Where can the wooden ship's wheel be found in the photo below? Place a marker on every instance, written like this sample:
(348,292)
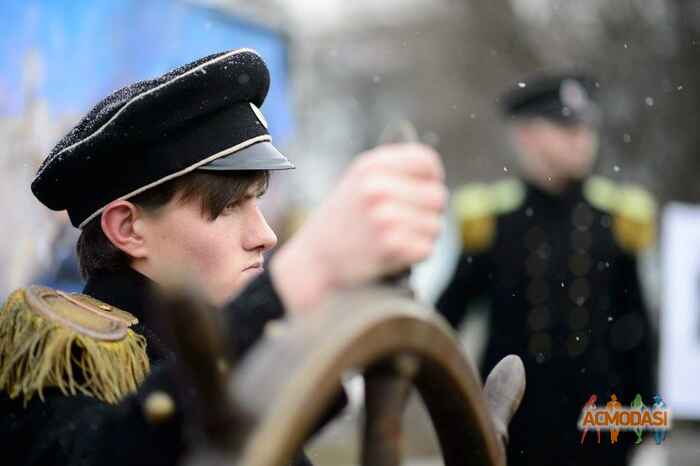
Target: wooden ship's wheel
(267,407)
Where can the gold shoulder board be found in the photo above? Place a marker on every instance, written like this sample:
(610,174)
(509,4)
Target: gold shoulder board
(477,206)
(72,342)
(633,210)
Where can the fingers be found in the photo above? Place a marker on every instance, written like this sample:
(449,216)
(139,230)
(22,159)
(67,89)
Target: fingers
(423,194)
(402,195)
(408,159)
(419,221)
(401,248)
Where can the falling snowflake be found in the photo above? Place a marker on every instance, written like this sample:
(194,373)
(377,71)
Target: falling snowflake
(522,85)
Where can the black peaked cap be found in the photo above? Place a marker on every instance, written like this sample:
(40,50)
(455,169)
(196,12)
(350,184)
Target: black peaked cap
(202,116)
(563,97)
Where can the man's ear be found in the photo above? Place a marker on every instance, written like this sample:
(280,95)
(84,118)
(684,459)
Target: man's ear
(122,224)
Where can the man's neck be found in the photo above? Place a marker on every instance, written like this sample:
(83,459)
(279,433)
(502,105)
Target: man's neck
(550,184)
(125,288)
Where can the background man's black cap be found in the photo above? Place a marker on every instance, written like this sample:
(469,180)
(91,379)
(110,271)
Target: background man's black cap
(565,98)
(202,116)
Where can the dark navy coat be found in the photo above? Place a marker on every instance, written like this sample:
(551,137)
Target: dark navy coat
(79,430)
(560,277)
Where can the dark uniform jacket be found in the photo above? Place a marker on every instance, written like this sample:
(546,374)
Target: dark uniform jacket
(81,430)
(560,275)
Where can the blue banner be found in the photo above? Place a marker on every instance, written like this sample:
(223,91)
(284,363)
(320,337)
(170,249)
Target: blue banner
(85,49)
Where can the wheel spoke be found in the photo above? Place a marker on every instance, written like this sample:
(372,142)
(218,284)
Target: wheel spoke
(387,387)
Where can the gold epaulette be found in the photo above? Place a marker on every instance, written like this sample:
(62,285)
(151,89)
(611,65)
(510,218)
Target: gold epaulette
(72,342)
(477,207)
(633,211)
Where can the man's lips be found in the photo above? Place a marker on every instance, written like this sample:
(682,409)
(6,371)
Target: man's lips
(255,266)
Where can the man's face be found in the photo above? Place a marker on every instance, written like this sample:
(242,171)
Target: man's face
(224,253)
(557,151)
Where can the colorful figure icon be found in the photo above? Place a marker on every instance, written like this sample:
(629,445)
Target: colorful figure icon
(590,404)
(659,435)
(637,403)
(613,405)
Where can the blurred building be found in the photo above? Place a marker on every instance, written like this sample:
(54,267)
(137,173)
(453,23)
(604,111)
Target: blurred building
(443,63)
(27,229)
(358,66)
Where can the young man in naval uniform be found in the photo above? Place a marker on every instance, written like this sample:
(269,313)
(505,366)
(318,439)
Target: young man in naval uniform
(165,175)
(555,254)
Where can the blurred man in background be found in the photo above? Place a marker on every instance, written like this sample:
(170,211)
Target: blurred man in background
(555,253)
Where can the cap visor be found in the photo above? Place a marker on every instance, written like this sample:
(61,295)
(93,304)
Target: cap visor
(259,156)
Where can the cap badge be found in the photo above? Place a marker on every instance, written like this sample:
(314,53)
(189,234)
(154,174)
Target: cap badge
(573,95)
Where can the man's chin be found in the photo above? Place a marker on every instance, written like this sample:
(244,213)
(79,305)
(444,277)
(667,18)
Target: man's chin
(247,275)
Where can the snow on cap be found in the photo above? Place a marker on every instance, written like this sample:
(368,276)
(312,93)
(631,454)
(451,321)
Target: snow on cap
(202,116)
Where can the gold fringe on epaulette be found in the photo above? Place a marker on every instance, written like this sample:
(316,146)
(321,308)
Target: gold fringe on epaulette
(36,354)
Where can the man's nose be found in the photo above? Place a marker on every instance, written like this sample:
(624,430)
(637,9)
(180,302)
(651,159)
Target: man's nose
(258,234)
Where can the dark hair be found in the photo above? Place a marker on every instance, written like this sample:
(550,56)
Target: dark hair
(214,190)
